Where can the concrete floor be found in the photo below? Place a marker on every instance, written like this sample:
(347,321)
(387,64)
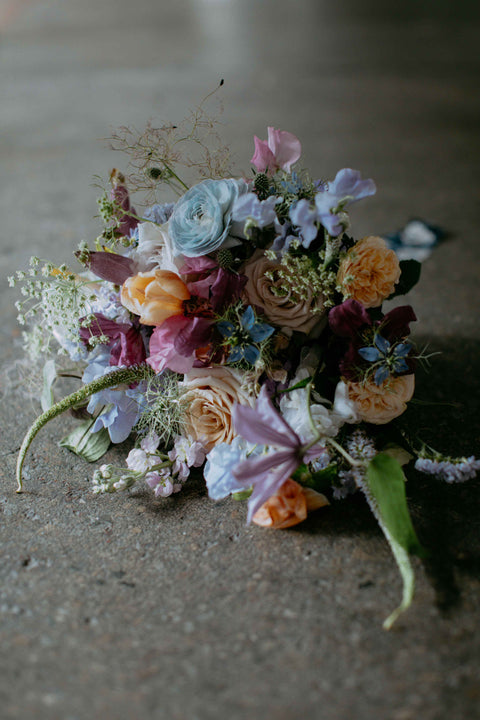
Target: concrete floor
(124,607)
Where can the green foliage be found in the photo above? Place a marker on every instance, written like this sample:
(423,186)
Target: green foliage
(411,270)
(87,445)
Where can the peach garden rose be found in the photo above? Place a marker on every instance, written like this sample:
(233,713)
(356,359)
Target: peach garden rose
(369,271)
(379,404)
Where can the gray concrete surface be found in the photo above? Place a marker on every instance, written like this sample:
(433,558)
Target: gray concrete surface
(125,607)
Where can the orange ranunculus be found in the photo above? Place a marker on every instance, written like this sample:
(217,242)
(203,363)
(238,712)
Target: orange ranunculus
(369,271)
(379,404)
(289,506)
(155,295)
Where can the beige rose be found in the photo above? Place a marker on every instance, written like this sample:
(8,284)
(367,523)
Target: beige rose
(155,295)
(208,399)
(369,272)
(288,506)
(378,404)
(284,311)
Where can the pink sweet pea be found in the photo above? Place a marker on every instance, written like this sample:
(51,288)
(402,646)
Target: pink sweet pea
(173,343)
(279,152)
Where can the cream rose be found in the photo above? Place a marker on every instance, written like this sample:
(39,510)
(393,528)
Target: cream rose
(208,398)
(369,272)
(378,404)
(284,311)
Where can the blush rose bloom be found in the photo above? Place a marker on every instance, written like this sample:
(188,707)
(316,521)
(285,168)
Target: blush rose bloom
(155,296)
(288,506)
(379,404)
(282,311)
(209,397)
(369,272)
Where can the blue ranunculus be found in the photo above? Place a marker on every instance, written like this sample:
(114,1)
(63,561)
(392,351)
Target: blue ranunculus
(201,219)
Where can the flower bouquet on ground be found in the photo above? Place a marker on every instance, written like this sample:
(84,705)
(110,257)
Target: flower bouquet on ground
(240,330)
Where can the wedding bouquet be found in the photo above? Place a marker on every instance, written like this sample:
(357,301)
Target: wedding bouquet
(240,329)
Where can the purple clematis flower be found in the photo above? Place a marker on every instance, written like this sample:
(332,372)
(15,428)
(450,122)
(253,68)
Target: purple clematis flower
(264,425)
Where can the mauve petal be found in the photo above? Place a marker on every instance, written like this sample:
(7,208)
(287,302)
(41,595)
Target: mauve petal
(250,471)
(285,147)
(226,289)
(268,485)
(130,350)
(396,323)
(119,194)
(197,265)
(103,326)
(346,319)
(263,158)
(111,267)
(193,335)
(264,425)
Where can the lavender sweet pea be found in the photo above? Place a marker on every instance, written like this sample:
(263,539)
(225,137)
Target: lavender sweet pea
(347,187)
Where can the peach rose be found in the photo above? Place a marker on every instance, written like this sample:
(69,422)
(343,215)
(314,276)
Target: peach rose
(284,311)
(378,404)
(208,399)
(289,506)
(154,295)
(369,272)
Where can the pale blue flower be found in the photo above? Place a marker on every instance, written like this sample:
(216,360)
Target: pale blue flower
(221,461)
(260,212)
(201,220)
(122,408)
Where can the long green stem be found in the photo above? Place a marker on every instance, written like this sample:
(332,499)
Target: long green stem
(116,377)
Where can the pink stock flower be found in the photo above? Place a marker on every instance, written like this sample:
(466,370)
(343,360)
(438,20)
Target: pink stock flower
(279,152)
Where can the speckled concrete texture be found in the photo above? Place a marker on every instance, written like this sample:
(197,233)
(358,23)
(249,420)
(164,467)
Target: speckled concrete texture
(124,607)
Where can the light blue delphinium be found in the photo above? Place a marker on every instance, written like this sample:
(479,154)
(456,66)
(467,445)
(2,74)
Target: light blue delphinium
(201,220)
(221,461)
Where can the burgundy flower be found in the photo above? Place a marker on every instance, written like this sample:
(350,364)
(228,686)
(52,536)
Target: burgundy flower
(111,267)
(126,343)
(119,194)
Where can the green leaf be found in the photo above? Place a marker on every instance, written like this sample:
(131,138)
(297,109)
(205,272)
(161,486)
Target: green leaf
(87,445)
(386,482)
(49,376)
(411,270)
(384,488)
(242,494)
(298,386)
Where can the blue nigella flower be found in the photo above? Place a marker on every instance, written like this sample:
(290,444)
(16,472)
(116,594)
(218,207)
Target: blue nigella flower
(389,358)
(244,336)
